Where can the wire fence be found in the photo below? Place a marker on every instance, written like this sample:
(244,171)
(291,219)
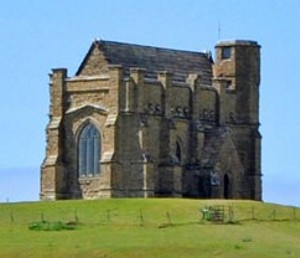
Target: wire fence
(231,214)
(215,214)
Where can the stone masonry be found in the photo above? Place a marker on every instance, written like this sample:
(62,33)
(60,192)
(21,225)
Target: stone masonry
(140,121)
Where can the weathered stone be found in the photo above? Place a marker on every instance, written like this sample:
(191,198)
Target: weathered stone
(171,123)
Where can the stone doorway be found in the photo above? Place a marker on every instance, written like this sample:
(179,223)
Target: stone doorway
(227,186)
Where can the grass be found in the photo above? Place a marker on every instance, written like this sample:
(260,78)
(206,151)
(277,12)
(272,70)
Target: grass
(148,228)
(44,225)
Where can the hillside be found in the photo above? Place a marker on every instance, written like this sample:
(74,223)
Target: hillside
(149,228)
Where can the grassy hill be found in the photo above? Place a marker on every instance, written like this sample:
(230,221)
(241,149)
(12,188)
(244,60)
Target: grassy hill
(149,228)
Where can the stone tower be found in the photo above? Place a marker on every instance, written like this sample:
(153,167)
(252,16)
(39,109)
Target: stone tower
(140,121)
(238,65)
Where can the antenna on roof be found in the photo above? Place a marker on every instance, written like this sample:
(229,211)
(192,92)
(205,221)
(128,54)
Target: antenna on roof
(219,29)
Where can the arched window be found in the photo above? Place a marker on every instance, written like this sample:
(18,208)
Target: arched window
(89,151)
(178,152)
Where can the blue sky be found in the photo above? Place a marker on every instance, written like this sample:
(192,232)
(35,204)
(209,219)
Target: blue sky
(39,35)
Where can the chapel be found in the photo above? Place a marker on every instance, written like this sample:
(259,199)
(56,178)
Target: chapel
(144,121)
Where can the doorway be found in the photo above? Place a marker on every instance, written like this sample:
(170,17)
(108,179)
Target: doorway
(226,187)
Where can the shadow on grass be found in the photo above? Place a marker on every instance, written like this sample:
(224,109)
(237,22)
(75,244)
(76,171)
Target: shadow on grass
(203,223)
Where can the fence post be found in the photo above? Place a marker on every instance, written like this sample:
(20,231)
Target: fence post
(141,217)
(12,217)
(169,218)
(76,216)
(42,216)
(253,213)
(108,215)
(294,213)
(274,214)
(230,214)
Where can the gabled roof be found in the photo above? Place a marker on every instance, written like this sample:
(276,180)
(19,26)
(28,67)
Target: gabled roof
(153,59)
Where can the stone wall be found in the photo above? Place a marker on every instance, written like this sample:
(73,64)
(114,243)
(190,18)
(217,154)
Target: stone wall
(159,137)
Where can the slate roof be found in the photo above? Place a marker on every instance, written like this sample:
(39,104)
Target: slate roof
(154,59)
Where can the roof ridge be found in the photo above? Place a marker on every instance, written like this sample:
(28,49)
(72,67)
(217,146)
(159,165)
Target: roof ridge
(111,42)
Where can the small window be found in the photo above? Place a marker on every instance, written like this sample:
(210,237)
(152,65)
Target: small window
(178,153)
(226,52)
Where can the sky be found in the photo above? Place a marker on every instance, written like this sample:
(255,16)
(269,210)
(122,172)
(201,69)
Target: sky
(37,36)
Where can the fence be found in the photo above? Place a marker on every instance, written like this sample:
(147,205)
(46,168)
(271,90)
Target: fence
(229,214)
(155,218)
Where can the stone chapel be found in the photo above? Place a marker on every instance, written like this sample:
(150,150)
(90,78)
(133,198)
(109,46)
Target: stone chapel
(142,121)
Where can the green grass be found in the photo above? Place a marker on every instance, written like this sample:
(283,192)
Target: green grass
(148,228)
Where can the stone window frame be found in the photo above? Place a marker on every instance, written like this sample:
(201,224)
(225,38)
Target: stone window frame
(178,153)
(226,53)
(92,163)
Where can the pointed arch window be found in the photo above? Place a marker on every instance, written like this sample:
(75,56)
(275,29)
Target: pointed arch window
(178,153)
(89,151)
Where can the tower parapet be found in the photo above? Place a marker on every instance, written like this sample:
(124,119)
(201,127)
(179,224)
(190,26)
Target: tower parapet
(239,62)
